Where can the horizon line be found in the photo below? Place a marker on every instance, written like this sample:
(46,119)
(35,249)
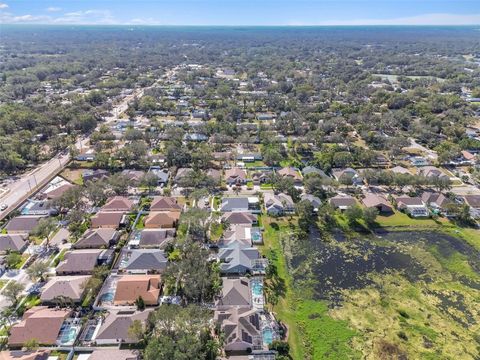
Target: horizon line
(242,25)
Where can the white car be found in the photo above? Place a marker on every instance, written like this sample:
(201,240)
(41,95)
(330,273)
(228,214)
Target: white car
(3,207)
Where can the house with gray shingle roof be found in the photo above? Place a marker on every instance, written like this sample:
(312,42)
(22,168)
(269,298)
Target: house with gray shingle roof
(237,259)
(13,242)
(142,261)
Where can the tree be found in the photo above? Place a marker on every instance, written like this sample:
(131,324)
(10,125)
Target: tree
(369,216)
(12,291)
(44,229)
(181,333)
(140,303)
(31,344)
(12,259)
(37,271)
(136,330)
(149,180)
(353,214)
(306,218)
(192,275)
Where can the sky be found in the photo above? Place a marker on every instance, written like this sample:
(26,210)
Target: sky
(241,12)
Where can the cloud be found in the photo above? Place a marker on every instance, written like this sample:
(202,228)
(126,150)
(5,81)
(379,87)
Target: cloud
(3,5)
(143,21)
(54,9)
(425,19)
(8,18)
(88,17)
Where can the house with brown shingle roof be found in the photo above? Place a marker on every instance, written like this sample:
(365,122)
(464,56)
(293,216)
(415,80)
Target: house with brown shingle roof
(97,238)
(239,218)
(108,219)
(81,262)
(40,323)
(131,287)
(437,201)
(342,202)
(70,287)
(114,328)
(241,329)
(118,203)
(235,292)
(292,173)
(378,201)
(165,203)
(24,355)
(23,224)
(13,242)
(162,219)
(235,176)
(155,238)
(414,206)
(114,354)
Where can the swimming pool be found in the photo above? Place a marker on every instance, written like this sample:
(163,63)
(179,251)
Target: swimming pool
(267,334)
(108,296)
(257,288)
(68,334)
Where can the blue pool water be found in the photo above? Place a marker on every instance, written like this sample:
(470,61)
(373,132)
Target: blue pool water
(107,296)
(257,289)
(267,334)
(69,335)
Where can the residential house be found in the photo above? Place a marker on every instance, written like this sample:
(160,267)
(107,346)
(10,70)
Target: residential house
(40,323)
(312,199)
(118,203)
(162,174)
(400,170)
(241,329)
(235,204)
(347,175)
(261,177)
(86,155)
(237,218)
(278,204)
(241,234)
(432,171)
(309,170)
(343,202)
(181,173)
(23,224)
(66,287)
(142,261)
(155,238)
(132,287)
(235,292)
(25,355)
(437,201)
(164,203)
(162,219)
(235,176)
(377,201)
(56,191)
(250,157)
(214,174)
(135,176)
(237,259)
(97,238)
(114,328)
(414,206)
(82,262)
(13,242)
(98,174)
(474,202)
(108,219)
(290,173)
(113,354)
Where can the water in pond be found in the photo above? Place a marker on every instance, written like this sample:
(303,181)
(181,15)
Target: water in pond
(347,264)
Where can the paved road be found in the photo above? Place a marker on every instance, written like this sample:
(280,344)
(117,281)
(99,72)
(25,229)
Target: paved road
(430,153)
(19,190)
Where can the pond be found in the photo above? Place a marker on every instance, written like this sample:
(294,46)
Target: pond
(346,264)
